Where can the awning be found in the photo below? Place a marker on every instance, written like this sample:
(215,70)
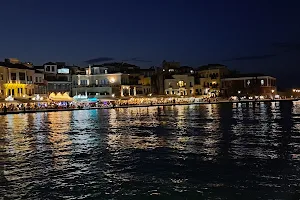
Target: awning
(60,97)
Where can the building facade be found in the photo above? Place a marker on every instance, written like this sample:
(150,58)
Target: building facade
(16,80)
(210,79)
(101,82)
(249,85)
(180,85)
(57,77)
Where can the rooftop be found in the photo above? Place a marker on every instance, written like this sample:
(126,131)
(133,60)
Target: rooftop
(211,66)
(15,66)
(50,63)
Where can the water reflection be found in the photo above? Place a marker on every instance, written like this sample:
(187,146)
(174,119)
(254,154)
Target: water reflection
(224,151)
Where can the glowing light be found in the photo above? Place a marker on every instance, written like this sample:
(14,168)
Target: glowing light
(9,98)
(93,99)
(112,80)
(239,92)
(113,95)
(295,90)
(180,83)
(272,91)
(60,97)
(80,96)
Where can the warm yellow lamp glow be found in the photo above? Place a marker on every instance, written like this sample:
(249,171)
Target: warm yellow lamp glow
(112,80)
(180,83)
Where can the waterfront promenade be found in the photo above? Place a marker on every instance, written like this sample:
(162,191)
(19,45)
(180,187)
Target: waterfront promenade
(141,105)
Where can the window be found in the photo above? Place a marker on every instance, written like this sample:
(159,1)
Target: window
(36,79)
(9,92)
(13,76)
(105,71)
(181,83)
(21,90)
(97,82)
(1,77)
(53,68)
(262,82)
(22,76)
(40,79)
(12,92)
(48,68)
(83,82)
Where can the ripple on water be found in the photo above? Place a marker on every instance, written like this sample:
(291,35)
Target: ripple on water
(186,152)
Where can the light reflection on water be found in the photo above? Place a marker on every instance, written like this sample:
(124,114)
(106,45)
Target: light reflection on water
(225,151)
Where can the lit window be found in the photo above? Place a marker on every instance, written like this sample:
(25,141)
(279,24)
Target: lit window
(171,70)
(180,83)
(262,82)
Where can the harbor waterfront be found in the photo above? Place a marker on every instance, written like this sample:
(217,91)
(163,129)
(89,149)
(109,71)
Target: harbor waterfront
(56,107)
(205,151)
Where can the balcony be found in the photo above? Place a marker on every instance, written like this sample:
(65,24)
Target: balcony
(20,82)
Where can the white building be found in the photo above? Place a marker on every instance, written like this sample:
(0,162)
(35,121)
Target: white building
(181,85)
(98,83)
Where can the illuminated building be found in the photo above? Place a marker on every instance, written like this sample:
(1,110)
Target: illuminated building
(3,80)
(181,85)
(210,79)
(40,86)
(144,85)
(98,83)
(249,85)
(57,76)
(17,79)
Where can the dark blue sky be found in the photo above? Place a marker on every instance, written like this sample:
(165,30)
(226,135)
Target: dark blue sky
(251,36)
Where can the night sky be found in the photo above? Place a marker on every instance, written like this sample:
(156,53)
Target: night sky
(250,36)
